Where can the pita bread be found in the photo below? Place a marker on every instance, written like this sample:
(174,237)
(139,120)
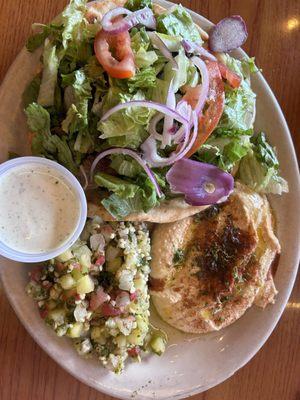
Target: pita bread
(169,211)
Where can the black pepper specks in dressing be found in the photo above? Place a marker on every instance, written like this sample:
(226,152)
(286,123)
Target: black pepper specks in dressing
(39,210)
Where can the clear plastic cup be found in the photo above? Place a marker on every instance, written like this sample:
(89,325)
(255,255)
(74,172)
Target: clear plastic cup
(73,182)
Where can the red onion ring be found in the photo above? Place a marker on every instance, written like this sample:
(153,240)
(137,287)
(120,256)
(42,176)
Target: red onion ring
(204,84)
(169,121)
(149,147)
(162,108)
(144,17)
(193,48)
(133,154)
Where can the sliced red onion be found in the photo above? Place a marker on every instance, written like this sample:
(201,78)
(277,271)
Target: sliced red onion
(159,44)
(204,83)
(229,34)
(201,183)
(144,17)
(133,154)
(123,300)
(98,298)
(97,242)
(152,126)
(162,108)
(169,121)
(149,147)
(194,48)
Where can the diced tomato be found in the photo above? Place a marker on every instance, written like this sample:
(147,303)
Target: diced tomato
(216,98)
(122,65)
(100,261)
(67,294)
(133,296)
(36,274)
(59,266)
(134,352)
(43,312)
(192,95)
(108,310)
(98,298)
(233,79)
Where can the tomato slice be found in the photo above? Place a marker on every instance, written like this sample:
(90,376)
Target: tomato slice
(216,99)
(233,79)
(122,66)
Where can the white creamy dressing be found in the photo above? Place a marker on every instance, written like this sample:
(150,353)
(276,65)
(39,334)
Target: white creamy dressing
(39,210)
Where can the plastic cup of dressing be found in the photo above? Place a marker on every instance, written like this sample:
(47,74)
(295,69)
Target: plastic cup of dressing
(43,209)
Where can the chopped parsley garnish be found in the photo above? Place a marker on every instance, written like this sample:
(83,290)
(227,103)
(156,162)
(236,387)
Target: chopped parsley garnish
(178,257)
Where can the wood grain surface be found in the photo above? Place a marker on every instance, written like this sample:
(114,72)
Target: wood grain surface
(26,372)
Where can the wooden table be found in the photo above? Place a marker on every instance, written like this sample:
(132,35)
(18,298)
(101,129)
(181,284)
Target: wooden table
(26,372)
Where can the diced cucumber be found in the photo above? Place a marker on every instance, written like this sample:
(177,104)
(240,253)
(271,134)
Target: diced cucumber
(114,265)
(51,304)
(97,334)
(76,330)
(66,256)
(85,285)
(142,323)
(67,281)
(136,337)
(158,345)
(57,315)
(120,341)
(139,283)
(76,274)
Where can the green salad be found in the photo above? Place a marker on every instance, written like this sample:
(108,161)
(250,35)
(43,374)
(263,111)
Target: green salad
(126,98)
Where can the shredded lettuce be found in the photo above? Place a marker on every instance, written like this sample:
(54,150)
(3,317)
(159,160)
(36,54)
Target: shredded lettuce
(46,95)
(224,152)
(127,197)
(179,76)
(36,40)
(30,95)
(38,119)
(126,127)
(125,166)
(260,168)
(239,111)
(134,5)
(121,187)
(178,22)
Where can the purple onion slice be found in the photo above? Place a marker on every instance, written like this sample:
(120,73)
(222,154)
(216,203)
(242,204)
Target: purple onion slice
(229,34)
(144,17)
(202,184)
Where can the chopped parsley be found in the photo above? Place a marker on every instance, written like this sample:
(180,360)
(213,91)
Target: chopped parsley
(178,257)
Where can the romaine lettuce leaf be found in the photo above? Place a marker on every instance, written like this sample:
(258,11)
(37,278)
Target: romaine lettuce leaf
(259,169)
(77,119)
(224,152)
(30,94)
(125,166)
(38,119)
(52,31)
(134,5)
(179,76)
(178,22)
(126,127)
(239,111)
(46,95)
(120,187)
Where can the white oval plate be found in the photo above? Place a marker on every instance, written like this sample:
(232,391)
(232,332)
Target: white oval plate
(191,363)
